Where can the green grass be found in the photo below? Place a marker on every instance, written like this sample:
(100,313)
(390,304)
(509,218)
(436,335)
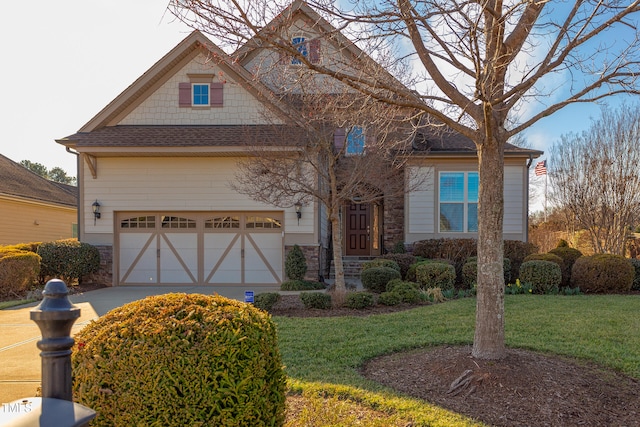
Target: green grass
(322,355)
(13,303)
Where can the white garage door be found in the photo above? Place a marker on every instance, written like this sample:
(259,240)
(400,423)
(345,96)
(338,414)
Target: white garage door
(200,248)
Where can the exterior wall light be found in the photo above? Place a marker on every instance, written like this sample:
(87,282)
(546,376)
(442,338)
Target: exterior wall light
(95,207)
(298,207)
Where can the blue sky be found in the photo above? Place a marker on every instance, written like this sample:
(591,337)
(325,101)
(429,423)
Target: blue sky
(66,60)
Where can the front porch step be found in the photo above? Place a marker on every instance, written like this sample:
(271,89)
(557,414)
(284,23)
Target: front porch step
(352,266)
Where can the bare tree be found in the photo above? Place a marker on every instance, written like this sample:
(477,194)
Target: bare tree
(350,149)
(596,177)
(473,65)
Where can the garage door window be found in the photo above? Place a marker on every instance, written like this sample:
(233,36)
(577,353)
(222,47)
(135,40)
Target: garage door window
(139,222)
(177,222)
(223,222)
(262,222)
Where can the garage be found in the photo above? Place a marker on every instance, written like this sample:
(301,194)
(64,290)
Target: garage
(199,248)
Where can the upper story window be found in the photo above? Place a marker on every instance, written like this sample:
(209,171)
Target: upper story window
(310,49)
(355,140)
(458,204)
(200,93)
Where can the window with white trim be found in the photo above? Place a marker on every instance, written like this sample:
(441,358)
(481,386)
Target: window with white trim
(458,202)
(200,94)
(355,140)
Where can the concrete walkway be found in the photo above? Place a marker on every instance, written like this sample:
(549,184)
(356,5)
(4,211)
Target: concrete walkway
(19,356)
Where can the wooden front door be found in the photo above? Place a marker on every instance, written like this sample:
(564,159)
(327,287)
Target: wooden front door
(358,229)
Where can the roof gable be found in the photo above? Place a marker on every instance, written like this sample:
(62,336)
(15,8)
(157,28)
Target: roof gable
(193,45)
(18,181)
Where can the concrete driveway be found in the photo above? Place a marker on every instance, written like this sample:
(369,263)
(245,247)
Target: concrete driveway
(19,356)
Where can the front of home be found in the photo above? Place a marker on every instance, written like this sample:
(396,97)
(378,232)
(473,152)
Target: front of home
(157,164)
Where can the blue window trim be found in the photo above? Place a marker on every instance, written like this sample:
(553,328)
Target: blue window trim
(200,94)
(459,208)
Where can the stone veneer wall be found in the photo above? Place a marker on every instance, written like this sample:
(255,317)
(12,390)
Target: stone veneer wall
(393,218)
(314,256)
(104,276)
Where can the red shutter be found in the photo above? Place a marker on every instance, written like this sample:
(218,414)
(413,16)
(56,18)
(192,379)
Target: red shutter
(314,51)
(338,139)
(184,94)
(217,94)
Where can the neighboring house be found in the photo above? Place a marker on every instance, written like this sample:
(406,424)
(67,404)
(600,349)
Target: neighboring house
(34,209)
(159,159)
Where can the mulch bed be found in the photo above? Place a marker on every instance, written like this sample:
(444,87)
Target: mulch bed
(524,389)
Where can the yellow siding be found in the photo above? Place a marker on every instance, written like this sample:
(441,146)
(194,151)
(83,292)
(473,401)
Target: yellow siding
(24,222)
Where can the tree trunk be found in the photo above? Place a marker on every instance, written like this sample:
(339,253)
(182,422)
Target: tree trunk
(340,288)
(488,342)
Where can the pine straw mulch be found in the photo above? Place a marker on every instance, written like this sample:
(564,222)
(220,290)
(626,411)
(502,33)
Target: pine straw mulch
(524,389)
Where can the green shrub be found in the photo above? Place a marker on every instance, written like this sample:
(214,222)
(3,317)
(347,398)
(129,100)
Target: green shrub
(635,262)
(411,273)
(409,292)
(266,301)
(316,300)
(602,273)
(18,271)
(179,359)
(403,260)
(301,285)
(545,257)
(375,279)
(517,251)
(380,262)
(295,265)
(436,275)
(562,244)
(543,276)
(68,260)
(470,272)
(26,247)
(399,248)
(569,257)
(359,300)
(389,298)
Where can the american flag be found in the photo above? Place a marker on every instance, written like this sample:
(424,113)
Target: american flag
(541,168)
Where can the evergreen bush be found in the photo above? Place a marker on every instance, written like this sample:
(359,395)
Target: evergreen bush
(543,276)
(359,300)
(389,298)
(602,273)
(266,300)
(68,260)
(380,262)
(301,285)
(403,260)
(409,292)
(375,279)
(635,262)
(436,275)
(295,265)
(181,360)
(569,257)
(316,300)
(18,271)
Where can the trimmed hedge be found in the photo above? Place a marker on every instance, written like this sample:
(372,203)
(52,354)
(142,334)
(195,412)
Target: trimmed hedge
(543,276)
(436,275)
(545,257)
(266,301)
(602,273)
(181,360)
(375,279)
(408,292)
(359,300)
(68,260)
(18,271)
(569,257)
(403,260)
(316,300)
(301,285)
(380,262)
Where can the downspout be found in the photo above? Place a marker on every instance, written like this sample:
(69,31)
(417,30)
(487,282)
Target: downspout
(75,153)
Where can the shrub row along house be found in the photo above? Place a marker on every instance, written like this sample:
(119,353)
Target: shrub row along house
(163,161)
